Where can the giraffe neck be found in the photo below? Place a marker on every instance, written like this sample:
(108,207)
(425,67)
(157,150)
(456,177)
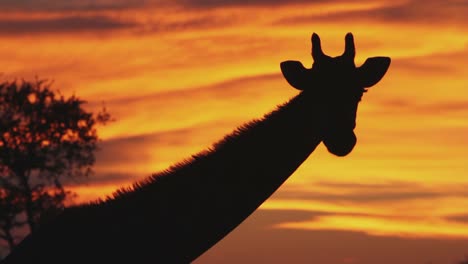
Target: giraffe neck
(208,196)
(190,207)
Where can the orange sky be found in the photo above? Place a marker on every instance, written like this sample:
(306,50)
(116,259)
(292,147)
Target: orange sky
(178,75)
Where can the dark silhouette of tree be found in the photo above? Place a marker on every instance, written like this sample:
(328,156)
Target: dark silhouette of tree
(10,208)
(45,138)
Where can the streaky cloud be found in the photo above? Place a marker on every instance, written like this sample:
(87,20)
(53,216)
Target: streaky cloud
(118,5)
(415,11)
(421,109)
(70,5)
(71,24)
(99,179)
(229,87)
(460,218)
(198,23)
(244,3)
(67,24)
(368,197)
(371,193)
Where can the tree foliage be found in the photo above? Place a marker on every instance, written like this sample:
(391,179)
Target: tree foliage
(45,138)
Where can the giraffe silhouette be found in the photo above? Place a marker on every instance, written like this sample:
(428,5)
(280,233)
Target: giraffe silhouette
(176,215)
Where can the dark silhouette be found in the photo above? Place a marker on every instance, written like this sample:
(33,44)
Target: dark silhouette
(44,139)
(176,215)
(10,209)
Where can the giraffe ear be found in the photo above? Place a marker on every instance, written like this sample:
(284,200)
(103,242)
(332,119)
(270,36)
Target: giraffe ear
(373,70)
(296,75)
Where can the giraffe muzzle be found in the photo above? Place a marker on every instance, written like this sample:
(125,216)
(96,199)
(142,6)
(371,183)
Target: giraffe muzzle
(340,143)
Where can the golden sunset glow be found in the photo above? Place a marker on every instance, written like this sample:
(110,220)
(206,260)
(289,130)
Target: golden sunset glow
(178,75)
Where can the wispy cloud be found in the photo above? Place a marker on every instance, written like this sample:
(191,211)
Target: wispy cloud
(371,193)
(462,218)
(53,16)
(244,3)
(67,24)
(99,179)
(442,63)
(415,108)
(70,5)
(122,150)
(103,5)
(414,11)
(198,23)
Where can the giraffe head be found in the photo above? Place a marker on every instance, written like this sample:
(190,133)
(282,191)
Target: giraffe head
(336,86)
